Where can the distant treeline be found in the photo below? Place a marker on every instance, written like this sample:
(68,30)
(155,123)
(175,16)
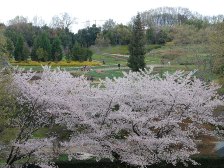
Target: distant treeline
(168,16)
(40,42)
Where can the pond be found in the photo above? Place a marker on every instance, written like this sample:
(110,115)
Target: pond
(219,147)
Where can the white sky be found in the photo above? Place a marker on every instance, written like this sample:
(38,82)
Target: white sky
(121,11)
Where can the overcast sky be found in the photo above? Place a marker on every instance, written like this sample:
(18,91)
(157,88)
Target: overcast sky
(121,11)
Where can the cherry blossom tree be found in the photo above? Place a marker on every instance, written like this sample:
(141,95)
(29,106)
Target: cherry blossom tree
(27,115)
(141,119)
(39,103)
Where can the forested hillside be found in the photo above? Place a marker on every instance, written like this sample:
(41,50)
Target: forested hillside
(33,40)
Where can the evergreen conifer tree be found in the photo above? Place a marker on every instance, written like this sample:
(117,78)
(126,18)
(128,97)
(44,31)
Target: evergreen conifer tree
(136,59)
(56,49)
(19,48)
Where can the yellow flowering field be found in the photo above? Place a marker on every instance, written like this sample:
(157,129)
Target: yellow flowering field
(60,63)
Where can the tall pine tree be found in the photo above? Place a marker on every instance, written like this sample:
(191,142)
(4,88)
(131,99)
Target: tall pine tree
(18,53)
(136,60)
(56,49)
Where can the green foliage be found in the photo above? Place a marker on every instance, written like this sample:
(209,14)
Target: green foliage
(221,82)
(39,37)
(152,47)
(41,54)
(118,49)
(20,25)
(55,131)
(41,133)
(60,132)
(87,37)
(217,48)
(3,42)
(189,34)
(80,53)
(136,59)
(10,48)
(21,52)
(117,34)
(121,34)
(162,37)
(26,52)
(76,52)
(7,102)
(19,48)
(198,23)
(66,38)
(157,35)
(150,35)
(102,74)
(8,134)
(102,41)
(184,34)
(11,34)
(56,49)
(108,25)
(42,41)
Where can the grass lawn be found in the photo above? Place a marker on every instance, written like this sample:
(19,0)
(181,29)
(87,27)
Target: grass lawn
(100,74)
(119,49)
(110,59)
(8,134)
